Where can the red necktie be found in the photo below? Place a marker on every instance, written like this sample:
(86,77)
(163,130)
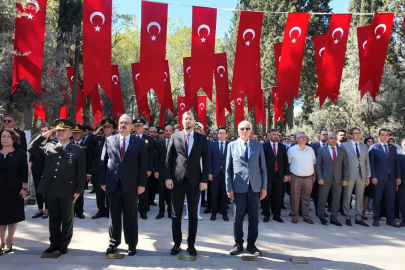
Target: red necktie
(122,148)
(333,154)
(188,135)
(275,154)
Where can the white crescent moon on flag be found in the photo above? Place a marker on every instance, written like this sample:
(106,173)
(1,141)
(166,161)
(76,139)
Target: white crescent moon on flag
(166,74)
(182,105)
(202,106)
(338,30)
(114,76)
(204,26)
(279,58)
(219,68)
(35,3)
(153,24)
(136,76)
(379,26)
(364,44)
(295,28)
(71,78)
(188,69)
(250,30)
(97,13)
(239,101)
(320,51)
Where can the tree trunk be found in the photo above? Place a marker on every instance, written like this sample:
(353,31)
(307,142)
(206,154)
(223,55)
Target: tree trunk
(75,80)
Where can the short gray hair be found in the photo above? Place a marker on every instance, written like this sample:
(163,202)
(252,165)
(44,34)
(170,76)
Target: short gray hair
(330,134)
(245,122)
(298,133)
(153,128)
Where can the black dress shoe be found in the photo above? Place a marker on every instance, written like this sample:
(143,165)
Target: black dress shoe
(362,223)
(324,221)
(153,204)
(364,217)
(93,191)
(192,251)
(160,215)
(237,248)
(266,219)
(175,250)
(51,249)
(254,250)
(45,216)
(349,222)
(326,215)
(393,224)
(204,204)
(283,207)
(37,215)
(376,223)
(131,251)
(213,217)
(207,210)
(336,222)
(63,250)
(278,219)
(81,216)
(98,215)
(144,216)
(111,249)
(225,217)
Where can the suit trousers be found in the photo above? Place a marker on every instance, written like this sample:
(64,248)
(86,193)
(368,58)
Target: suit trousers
(164,195)
(60,221)
(144,198)
(218,188)
(323,197)
(101,198)
(152,188)
(41,199)
(359,185)
(275,189)
(79,204)
(248,201)
(193,196)
(401,201)
(123,204)
(301,188)
(389,189)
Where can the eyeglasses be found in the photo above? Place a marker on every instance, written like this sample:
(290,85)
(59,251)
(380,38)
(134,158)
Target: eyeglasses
(324,134)
(244,129)
(7,121)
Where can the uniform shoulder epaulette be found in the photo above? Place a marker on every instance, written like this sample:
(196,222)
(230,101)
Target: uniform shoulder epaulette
(75,145)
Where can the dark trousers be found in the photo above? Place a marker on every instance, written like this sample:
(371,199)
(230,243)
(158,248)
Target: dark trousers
(79,204)
(246,201)
(125,205)
(193,196)
(315,194)
(164,195)
(401,201)
(209,195)
(41,199)
(389,189)
(60,221)
(275,188)
(218,188)
(336,189)
(152,188)
(101,198)
(144,199)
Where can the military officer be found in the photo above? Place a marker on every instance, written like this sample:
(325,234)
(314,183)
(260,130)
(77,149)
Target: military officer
(62,181)
(161,134)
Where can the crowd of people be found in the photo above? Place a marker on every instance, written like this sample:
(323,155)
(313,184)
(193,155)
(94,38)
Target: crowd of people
(128,163)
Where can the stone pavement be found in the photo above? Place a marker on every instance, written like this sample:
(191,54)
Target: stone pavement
(325,247)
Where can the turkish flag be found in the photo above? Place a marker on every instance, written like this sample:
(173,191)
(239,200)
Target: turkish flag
(292,54)
(143,106)
(222,83)
(258,92)
(153,48)
(362,35)
(96,106)
(79,99)
(168,99)
(203,49)
(97,21)
(39,111)
(202,110)
(319,50)
(181,109)
(375,53)
(239,109)
(247,55)
(63,108)
(334,55)
(260,113)
(220,114)
(117,102)
(29,38)
(277,54)
(191,102)
(277,106)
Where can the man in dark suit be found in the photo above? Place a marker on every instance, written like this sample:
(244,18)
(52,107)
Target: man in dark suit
(150,148)
(278,173)
(160,161)
(62,181)
(123,176)
(331,170)
(184,176)
(385,176)
(9,123)
(218,150)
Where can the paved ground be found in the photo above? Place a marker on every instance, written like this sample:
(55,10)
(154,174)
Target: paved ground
(325,247)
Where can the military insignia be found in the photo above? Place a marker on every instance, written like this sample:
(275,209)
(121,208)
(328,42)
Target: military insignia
(106,122)
(61,124)
(70,160)
(76,127)
(146,141)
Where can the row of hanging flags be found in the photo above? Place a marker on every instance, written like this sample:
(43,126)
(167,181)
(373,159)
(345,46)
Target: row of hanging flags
(204,65)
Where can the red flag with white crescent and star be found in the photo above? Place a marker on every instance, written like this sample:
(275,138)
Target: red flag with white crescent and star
(97,23)
(319,50)
(96,106)
(362,35)
(277,54)
(168,99)
(65,97)
(277,106)
(39,111)
(239,108)
(260,113)
(117,102)
(79,97)
(221,82)
(220,114)
(334,55)
(292,55)
(153,48)
(202,110)
(191,102)
(143,106)
(181,108)
(247,54)
(203,49)
(29,39)
(376,52)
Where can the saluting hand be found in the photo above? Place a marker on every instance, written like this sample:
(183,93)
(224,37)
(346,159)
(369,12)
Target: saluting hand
(48,134)
(75,196)
(98,131)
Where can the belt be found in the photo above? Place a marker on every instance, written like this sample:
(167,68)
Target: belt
(301,176)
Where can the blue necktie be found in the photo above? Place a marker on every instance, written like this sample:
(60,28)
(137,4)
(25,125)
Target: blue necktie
(246,152)
(222,149)
(386,149)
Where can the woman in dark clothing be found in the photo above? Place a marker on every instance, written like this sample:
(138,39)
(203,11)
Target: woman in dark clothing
(368,191)
(13,187)
(401,188)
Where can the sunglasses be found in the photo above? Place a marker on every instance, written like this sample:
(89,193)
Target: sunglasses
(244,129)
(7,121)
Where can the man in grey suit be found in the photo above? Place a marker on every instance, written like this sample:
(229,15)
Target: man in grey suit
(246,185)
(331,169)
(359,175)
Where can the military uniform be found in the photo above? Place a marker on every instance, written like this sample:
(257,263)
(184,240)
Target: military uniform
(63,176)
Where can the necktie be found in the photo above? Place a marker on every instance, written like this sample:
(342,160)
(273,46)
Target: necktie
(246,152)
(187,139)
(138,136)
(333,154)
(222,148)
(122,148)
(357,150)
(275,154)
(386,149)
(323,145)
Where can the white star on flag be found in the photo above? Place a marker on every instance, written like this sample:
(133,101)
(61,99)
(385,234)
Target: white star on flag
(378,37)
(153,38)
(30,16)
(336,41)
(222,75)
(293,40)
(203,39)
(97,28)
(247,43)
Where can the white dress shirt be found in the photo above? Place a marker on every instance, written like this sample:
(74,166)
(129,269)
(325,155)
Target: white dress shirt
(301,160)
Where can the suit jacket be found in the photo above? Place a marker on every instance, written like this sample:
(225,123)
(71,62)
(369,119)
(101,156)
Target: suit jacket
(316,146)
(240,171)
(160,158)
(23,139)
(131,170)
(87,152)
(402,165)
(329,171)
(282,159)
(150,148)
(217,159)
(177,160)
(95,146)
(382,167)
(356,163)
(17,168)
(65,169)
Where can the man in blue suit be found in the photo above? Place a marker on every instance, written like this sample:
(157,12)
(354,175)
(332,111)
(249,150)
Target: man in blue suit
(385,175)
(123,176)
(246,185)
